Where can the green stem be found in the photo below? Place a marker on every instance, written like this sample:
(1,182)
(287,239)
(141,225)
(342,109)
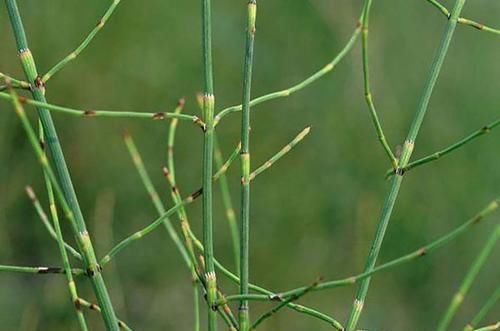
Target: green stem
(297,87)
(16,83)
(366,79)
(468,280)
(40,270)
(490,327)
(406,153)
(481,314)
(66,192)
(207,171)
(244,316)
(269,163)
(81,303)
(62,246)
(103,113)
(73,55)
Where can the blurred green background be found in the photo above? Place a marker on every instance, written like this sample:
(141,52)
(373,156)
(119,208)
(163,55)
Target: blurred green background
(314,213)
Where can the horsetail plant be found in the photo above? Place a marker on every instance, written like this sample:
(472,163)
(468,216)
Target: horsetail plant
(244,318)
(199,255)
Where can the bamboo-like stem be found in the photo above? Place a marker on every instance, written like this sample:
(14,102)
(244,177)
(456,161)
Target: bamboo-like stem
(468,280)
(406,153)
(439,154)
(485,309)
(104,113)
(82,303)
(366,83)
(62,246)
(244,316)
(207,169)
(422,251)
(73,55)
(45,220)
(66,189)
(283,304)
(269,163)
(228,203)
(299,86)
(462,20)
(40,270)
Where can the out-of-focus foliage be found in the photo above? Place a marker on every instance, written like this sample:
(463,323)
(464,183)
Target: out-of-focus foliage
(314,213)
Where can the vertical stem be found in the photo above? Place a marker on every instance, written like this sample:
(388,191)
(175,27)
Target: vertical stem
(396,181)
(208,150)
(61,244)
(244,317)
(469,279)
(79,227)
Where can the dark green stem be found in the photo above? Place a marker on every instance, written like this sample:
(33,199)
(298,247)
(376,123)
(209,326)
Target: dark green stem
(55,151)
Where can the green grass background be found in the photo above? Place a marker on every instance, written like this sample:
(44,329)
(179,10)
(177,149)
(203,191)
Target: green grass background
(314,213)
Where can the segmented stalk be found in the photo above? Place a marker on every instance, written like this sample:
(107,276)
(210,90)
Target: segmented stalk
(207,171)
(244,317)
(476,266)
(40,270)
(67,192)
(406,153)
(90,113)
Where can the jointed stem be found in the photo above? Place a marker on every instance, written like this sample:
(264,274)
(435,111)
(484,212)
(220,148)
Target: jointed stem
(40,270)
(469,279)
(366,79)
(104,113)
(71,56)
(490,303)
(245,164)
(82,236)
(405,157)
(81,303)
(62,247)
(207,171)
(65,192)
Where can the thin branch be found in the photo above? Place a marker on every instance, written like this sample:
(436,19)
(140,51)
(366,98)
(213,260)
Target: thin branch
(89,113)
(73,55)
(485,309)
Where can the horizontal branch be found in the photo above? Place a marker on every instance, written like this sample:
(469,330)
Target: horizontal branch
(40,270)
(104,113)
